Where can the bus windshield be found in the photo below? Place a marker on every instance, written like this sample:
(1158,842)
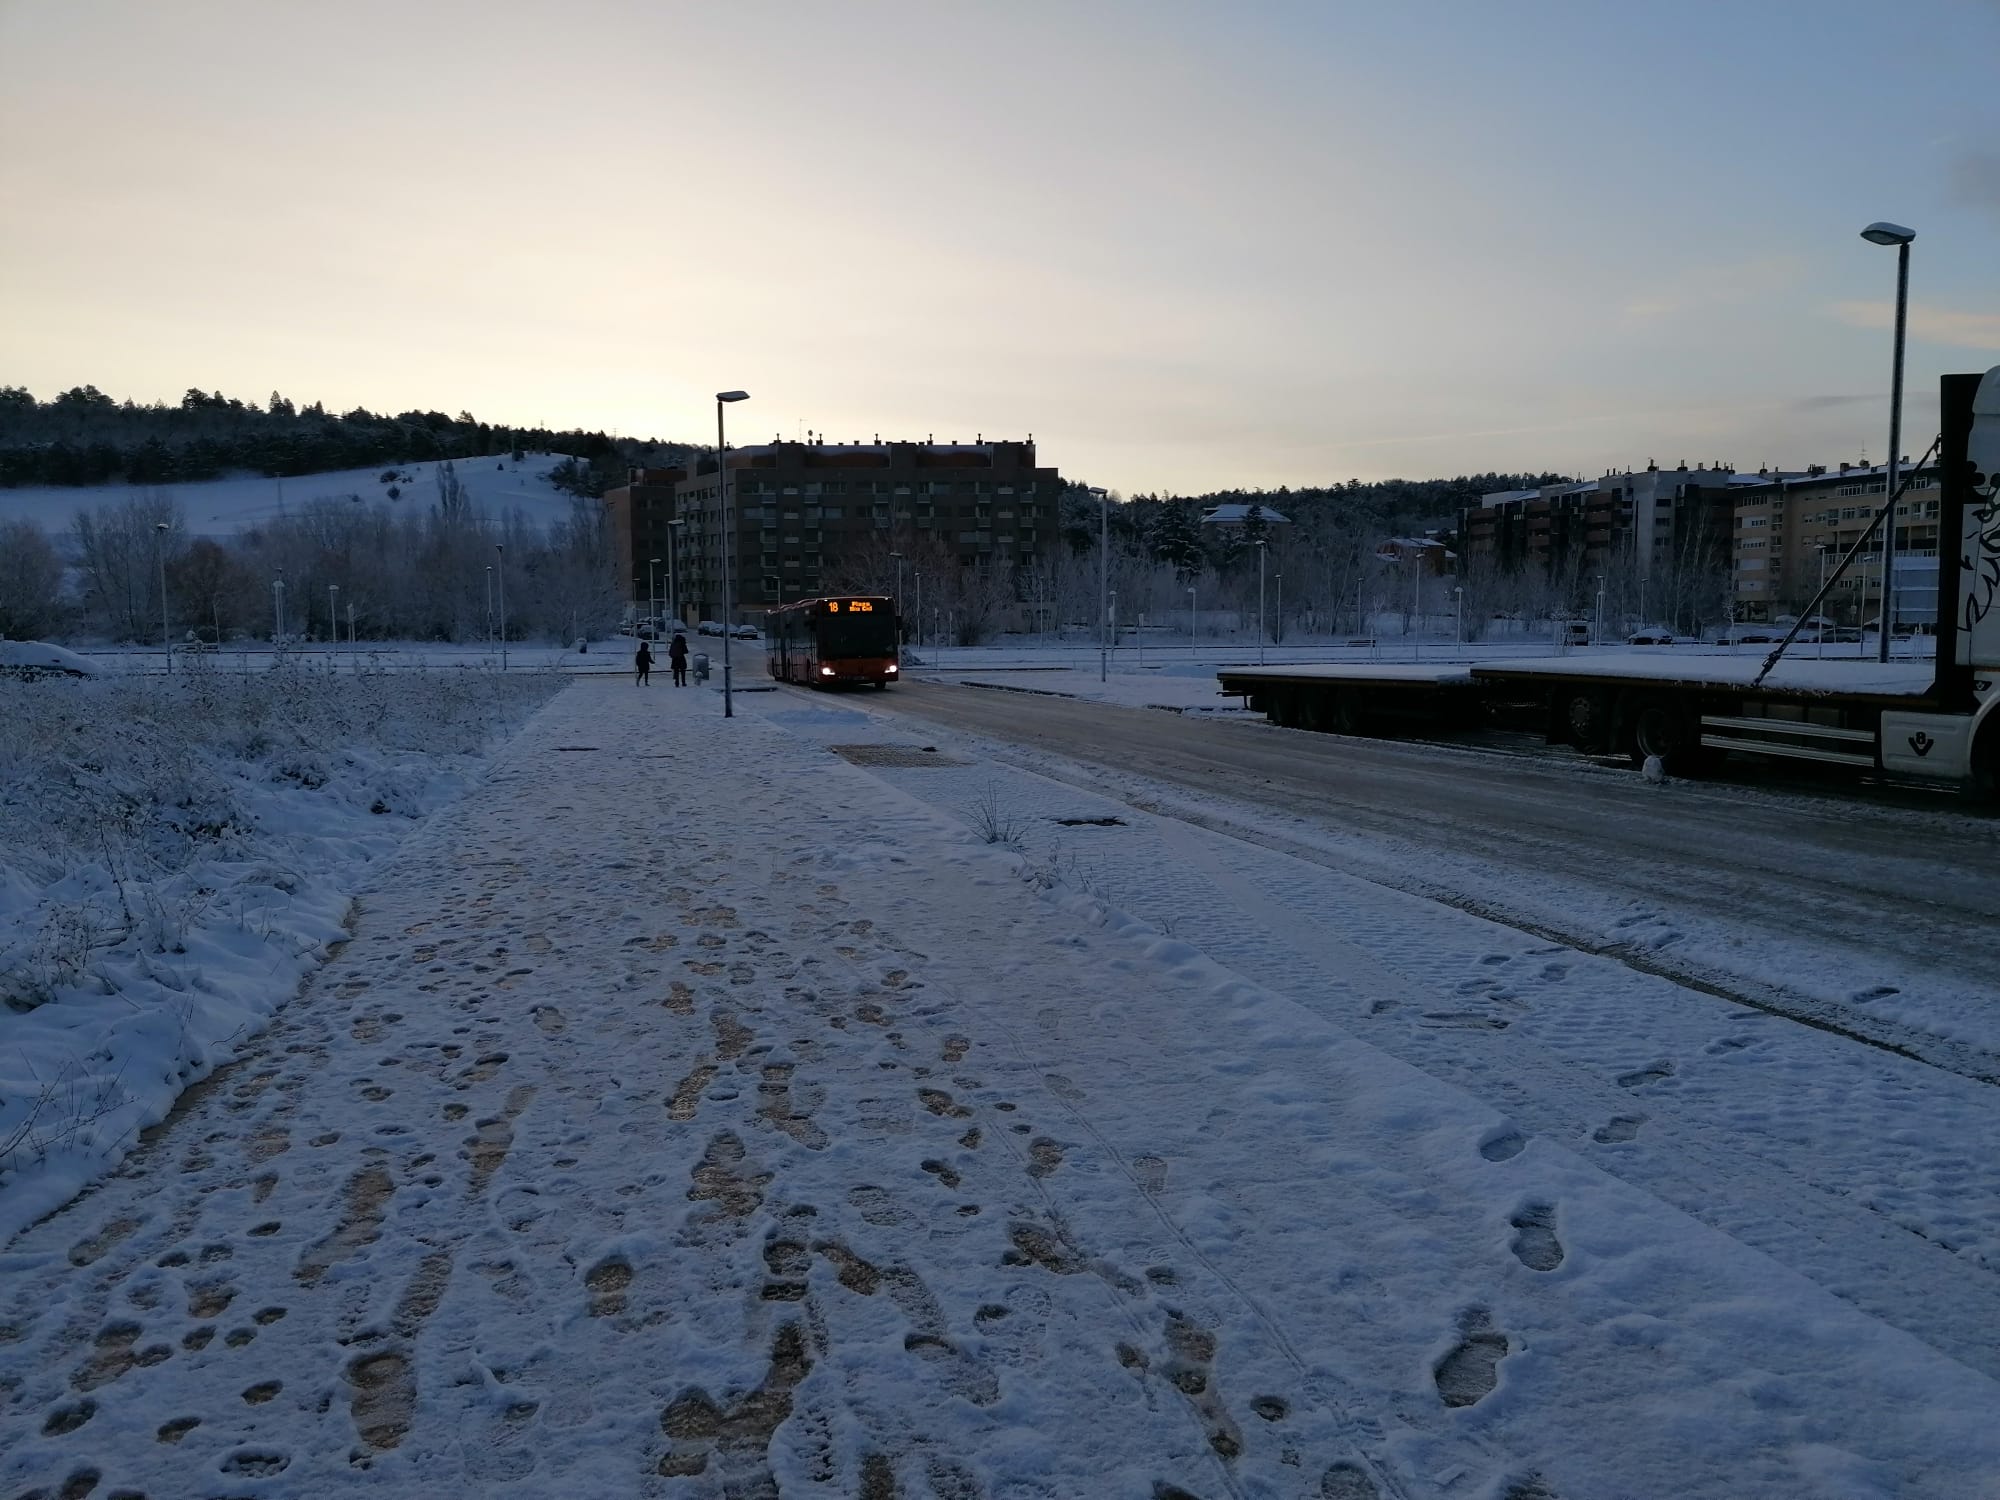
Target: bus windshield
(859,634)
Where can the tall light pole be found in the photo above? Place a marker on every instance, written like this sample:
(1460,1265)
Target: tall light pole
(500,567)
(652,592)
(1822,549)
(722,399)
(1103,581)
(489,606)
(1261,632)
(1458,612)
(1600,609)
(1893,234)
(278,610)
(1416,604)
(674,568)
(1278,620)
(353,651)
(160,554)
(899,595)
(332,622)
(1190,619)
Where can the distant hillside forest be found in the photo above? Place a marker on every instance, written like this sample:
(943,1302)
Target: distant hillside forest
(85,437)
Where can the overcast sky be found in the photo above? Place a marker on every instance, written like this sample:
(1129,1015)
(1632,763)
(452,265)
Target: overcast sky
(1187,246)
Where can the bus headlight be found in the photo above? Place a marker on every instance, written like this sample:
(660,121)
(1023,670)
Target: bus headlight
(826,671)
(892,666)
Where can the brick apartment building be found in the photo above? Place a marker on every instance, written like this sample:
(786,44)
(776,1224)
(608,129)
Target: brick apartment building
(1792,527)
(1546,529)
(805,511)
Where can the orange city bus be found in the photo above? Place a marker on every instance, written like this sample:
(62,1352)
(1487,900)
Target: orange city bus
(826,642)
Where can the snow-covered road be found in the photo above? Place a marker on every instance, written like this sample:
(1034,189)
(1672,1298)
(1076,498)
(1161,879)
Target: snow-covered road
(702,1108)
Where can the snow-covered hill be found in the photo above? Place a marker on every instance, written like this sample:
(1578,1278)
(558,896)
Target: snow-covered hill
(220,507)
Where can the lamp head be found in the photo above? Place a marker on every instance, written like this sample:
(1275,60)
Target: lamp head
(1884,233)
(732,395)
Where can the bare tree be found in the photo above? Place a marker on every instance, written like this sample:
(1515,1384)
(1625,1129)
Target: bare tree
(31,577)
(118,549)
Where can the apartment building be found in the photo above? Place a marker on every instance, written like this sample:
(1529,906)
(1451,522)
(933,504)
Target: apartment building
(807,514)
(1792,531)
(641,511)
(1571,526)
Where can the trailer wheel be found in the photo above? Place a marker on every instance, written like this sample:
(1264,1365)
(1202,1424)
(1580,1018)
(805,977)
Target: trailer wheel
(1661,727)
(1586,718)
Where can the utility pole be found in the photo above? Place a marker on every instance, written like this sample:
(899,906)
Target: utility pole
(1103,582)
(500,567)
(166,631)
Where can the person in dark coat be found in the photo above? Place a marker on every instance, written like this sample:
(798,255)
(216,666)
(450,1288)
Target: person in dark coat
(677,658)
(643,662)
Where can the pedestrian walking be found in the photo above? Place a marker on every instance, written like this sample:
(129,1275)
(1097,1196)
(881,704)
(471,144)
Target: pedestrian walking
(643,662)
(677,658)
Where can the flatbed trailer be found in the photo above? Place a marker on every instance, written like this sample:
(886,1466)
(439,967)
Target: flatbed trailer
(1935,722)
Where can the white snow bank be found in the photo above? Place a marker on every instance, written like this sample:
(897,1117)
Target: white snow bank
(176,854)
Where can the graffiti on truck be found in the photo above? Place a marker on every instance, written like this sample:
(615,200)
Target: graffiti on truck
(1980,537)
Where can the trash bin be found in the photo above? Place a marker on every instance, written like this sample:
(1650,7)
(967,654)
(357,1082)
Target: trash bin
(699,664)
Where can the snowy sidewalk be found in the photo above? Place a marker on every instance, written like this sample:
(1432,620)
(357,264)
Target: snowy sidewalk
(695,1113)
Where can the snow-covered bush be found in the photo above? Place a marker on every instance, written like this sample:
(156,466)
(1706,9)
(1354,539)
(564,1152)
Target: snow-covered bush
(175,855)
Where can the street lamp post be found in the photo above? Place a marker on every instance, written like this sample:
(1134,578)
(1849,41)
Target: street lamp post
(1893,234)
(1458,612)
(1261,632)
(899,596)
(1416,605)
(1820,628)
(1190,619)
(1600,609)
(723,398)
(500,567)
(489,606)
(278,610)
(674,568)
(1103,582)
(353,650)
(652,592)
(332,623)
(1278,615)
(160,555)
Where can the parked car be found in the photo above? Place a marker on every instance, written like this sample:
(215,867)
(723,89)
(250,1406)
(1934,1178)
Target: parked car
(33,659)
(1650,635)
(743,632)
(708,627)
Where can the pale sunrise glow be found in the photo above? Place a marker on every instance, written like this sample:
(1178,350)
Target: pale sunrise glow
(1185,246)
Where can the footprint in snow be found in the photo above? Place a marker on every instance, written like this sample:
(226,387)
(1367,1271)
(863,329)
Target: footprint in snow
(1535,1243)
(1618,1128)
(1468,1374)
(1652,1073)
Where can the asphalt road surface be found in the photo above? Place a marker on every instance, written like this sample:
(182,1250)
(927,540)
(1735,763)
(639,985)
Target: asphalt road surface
(1872,886)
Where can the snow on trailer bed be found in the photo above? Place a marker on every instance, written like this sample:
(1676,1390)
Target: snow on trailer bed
(1850,675)
(1425,674)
